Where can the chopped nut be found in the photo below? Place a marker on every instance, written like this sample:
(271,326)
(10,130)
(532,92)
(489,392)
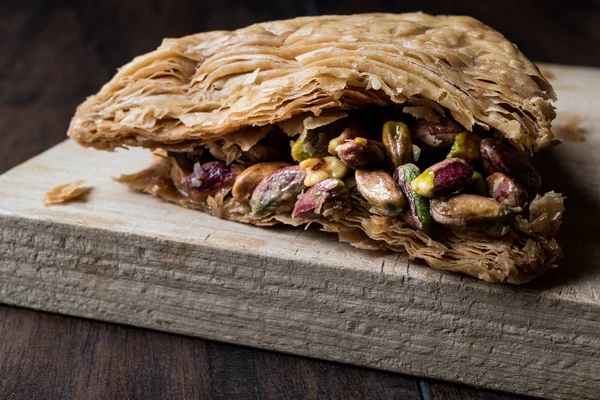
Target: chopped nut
(397,143)
(211,176)
(466,146)
(470,212)
(505,190)
(319,169)
(352,131)
(324,195)
(417,215)
(499,158)
(361,153)
(248,180)
(278,190)
(435,135)
(381,191)
(443,178)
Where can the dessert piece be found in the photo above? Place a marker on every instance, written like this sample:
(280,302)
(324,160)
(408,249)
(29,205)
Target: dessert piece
(404,132)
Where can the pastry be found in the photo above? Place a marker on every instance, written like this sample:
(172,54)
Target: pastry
(404,132)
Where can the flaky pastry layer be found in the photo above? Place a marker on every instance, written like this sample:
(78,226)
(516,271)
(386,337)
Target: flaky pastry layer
(207,85)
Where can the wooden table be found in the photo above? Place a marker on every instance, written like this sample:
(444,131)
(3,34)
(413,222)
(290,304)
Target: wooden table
(44,356)
(52,58)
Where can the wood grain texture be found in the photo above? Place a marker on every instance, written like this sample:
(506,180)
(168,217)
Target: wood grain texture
(129,258)
(54,357)
(442,391)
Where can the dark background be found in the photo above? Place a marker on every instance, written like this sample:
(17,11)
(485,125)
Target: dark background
(55,53)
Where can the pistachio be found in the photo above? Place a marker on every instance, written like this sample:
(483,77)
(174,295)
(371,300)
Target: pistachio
(319,169)
(211,176)
(435,135)
(499,158)
(248,180)
(478,184)
(417,215)
(470,212)
(325,195)
(309,145)
(313,142)
(396,140)
(443,178)
(381,191)
(466,146)
(352,131)
(361,153)
(278,190)
(505,190)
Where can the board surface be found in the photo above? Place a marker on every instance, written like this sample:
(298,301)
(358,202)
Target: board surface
(130,258)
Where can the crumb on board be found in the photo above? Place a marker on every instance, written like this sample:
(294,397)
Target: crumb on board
(570,131)
(67,192)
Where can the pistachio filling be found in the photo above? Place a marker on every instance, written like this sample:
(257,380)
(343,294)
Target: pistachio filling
(432,175)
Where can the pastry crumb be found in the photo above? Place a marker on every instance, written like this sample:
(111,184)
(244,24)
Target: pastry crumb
(570,131)
(66,193)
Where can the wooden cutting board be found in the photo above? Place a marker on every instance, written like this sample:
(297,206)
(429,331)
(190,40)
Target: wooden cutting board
(131,258)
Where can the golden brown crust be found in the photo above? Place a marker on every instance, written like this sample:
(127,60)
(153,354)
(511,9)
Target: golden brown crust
(207,85)
(528,251)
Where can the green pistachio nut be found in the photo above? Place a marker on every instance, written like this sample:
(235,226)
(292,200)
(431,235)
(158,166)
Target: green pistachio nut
(247,181)
(505,190)
(435,135)
(325,195)
(417,214)
(381,191)
(466,146)
(351,132)
(472,213)
(443,178)
(361,153)
(396,140)
(278,190)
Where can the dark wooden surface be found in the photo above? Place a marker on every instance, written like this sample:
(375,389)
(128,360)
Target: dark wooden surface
(44,356)
(53,55)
